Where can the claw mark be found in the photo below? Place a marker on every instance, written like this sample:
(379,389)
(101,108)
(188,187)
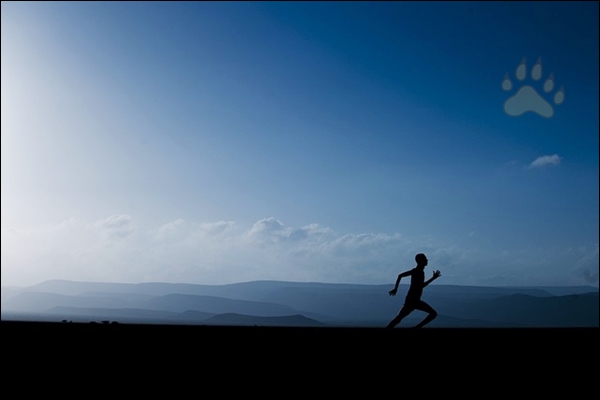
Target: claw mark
(536,71)
(521,70)
(549,84)
(506,83)
(559,97)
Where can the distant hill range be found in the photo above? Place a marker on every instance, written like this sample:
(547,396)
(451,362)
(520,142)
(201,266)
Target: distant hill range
(274,303)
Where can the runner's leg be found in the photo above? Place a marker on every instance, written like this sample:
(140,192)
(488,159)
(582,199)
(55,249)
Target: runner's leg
(422,306)
(403,313)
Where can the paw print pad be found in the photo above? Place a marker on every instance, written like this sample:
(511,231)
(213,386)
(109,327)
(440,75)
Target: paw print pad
(527,98)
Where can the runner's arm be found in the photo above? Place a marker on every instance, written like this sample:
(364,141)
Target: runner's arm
(436,274)
(400,276)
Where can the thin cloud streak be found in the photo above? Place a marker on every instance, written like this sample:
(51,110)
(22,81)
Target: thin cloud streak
(544,161)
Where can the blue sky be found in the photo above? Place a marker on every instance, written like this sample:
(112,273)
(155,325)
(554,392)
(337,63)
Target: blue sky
(317,141)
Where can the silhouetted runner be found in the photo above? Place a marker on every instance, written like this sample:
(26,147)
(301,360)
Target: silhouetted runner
(413,297)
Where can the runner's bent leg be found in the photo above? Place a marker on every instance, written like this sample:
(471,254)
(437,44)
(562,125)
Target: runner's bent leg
(422,306)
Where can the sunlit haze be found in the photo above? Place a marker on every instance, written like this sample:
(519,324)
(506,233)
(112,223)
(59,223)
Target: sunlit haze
(221,142)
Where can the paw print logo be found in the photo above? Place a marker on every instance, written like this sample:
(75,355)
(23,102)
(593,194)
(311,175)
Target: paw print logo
(527,97)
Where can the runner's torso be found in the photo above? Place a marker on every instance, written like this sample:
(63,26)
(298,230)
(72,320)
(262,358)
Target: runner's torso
(416,285)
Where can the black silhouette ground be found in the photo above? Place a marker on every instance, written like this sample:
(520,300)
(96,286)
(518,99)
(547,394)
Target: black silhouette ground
(144,358)
(68,337)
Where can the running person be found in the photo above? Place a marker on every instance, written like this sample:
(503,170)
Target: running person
(413,297)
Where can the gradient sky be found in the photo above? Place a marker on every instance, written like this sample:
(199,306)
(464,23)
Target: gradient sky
(225,142)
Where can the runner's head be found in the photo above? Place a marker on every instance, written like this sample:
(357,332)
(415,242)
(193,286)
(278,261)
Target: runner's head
(421,259)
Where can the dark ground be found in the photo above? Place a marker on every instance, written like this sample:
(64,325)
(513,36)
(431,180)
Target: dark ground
(206,361)
(280,344)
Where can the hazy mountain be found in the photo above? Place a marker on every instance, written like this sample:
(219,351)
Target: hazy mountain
(556,311)
(35,302)
(263,290)
(194,316)
(560,290)
(249,320)
(571,310)
(331,304)
(10,291)
(217,305)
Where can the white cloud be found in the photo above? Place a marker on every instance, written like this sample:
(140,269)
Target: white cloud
(271,230)
(544,161)
(267,228)
(365,245)
(116,226)
(115,249)
(169,229)
(181,230)
(217,228)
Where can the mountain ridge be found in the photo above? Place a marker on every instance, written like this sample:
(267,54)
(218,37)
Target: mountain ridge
(328,303)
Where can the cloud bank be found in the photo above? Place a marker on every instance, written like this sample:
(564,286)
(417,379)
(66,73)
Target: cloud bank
(116,249)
